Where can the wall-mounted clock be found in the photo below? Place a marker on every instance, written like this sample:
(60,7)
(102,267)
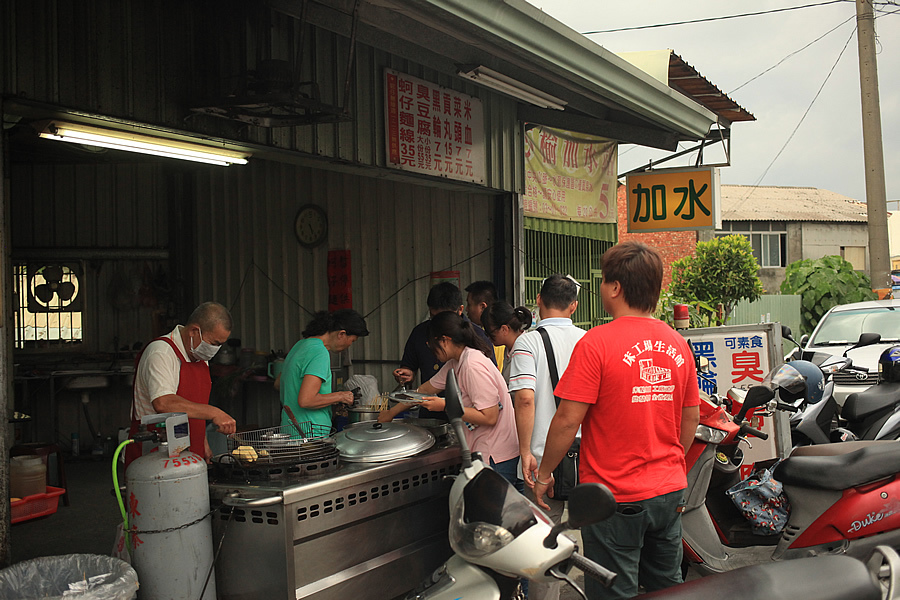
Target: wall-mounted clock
(311,226)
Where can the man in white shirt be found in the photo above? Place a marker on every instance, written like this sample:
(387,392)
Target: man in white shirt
(172,375)
(532,390)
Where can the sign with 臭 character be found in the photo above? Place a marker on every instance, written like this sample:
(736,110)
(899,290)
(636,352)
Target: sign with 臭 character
(740,356)
(673,200)
(432,130)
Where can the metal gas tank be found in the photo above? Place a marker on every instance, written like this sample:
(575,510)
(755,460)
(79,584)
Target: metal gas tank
(167,499)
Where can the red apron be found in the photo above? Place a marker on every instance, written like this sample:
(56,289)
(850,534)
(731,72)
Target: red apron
(195,385)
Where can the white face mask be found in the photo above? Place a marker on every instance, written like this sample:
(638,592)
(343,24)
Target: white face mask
(204,350)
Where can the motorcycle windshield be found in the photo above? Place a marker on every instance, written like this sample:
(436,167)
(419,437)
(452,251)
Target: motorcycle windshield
(489,498)
(489,515)
(787,378)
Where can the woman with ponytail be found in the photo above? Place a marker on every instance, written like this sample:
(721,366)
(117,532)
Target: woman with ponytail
(487,408)
(305,381)
(504,324)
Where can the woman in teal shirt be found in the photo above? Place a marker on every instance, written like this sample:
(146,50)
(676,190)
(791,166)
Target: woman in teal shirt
(305,382)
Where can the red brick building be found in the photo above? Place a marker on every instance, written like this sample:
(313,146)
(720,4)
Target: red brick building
(672,245)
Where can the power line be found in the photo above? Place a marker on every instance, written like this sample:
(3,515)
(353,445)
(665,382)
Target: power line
(808,108)
(708,19)
(793,53)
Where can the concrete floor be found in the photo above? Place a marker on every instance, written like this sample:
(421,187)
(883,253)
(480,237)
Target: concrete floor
(86,526)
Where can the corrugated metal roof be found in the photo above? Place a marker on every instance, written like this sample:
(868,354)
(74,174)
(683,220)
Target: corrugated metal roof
(674,71)
(522,42)
(782,203)
(688,80)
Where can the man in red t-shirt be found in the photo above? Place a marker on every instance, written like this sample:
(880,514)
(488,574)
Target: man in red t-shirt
(632,386)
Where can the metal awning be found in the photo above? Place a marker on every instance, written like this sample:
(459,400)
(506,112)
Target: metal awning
(603,94)
(688,80)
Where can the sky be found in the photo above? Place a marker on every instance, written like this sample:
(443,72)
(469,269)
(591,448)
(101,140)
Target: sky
(826,151)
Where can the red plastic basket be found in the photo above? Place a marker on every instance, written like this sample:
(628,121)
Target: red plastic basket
(36,505)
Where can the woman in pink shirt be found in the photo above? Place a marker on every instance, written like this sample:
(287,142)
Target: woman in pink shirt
(487,408)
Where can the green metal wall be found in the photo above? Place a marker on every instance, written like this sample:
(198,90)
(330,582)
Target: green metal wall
(784,309)
(570,248)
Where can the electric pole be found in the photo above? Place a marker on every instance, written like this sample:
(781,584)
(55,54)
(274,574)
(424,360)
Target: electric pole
(873,151)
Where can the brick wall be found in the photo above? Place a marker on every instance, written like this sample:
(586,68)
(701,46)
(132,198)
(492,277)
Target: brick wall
(672,245)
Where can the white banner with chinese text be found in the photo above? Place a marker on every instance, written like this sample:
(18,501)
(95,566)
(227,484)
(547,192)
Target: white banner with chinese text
(569,176)
(433,130)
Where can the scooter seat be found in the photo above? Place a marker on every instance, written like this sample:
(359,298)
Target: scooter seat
(820,577)
(860,405)
(840,465)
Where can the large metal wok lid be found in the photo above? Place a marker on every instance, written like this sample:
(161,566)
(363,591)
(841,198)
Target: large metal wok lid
(380,442)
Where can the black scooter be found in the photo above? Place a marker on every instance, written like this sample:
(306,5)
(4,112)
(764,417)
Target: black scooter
(825,421)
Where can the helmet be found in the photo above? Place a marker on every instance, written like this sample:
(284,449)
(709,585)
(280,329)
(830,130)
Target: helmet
(889,364)
(798,380)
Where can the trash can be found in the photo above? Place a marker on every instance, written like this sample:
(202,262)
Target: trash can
(79,576)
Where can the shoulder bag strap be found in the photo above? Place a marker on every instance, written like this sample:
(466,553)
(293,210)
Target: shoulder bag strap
(551,361)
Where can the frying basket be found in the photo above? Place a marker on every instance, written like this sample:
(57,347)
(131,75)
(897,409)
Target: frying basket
(285,444)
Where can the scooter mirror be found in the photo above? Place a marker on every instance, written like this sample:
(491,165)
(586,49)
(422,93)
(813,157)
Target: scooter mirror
(787,334)
(865,339)
(590,503)
(756,396)
(452,398)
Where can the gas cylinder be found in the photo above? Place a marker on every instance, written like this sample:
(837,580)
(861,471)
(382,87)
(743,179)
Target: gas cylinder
(170,525)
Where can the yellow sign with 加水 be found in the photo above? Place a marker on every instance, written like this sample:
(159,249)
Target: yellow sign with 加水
(673,200)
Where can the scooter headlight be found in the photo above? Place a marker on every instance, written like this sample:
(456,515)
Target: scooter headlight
(475,539)
(711,435)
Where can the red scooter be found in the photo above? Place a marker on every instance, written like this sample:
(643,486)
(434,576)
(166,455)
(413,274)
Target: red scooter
(845,498)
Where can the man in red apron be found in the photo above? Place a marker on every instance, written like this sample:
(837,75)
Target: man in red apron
(172,375)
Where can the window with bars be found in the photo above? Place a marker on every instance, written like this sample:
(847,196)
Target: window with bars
(48,305)
(547,253)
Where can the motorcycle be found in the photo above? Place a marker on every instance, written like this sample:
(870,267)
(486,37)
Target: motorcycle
(498,537)
(872,414)
(845,498)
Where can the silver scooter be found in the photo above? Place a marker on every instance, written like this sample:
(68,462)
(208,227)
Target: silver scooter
(499,536)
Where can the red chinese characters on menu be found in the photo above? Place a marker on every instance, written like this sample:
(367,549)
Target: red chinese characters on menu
(433,130)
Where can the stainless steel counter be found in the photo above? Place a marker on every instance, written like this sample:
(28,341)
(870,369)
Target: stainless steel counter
(366,531)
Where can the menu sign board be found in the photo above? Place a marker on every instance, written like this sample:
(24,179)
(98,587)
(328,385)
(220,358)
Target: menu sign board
(433,130)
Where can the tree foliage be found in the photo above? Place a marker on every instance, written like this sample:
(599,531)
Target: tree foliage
(723,271)
(822,284)
(700,313)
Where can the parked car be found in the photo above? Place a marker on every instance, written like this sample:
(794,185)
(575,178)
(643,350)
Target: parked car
(840,329)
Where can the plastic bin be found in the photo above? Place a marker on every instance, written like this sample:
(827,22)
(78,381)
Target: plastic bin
(36,505)
(88,576)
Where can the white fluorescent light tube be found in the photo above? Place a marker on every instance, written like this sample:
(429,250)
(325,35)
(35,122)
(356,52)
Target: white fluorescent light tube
(77,133)
(500,82)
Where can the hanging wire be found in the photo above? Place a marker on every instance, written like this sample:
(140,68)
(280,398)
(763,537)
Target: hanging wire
(411,281)
(752,79)
(709,19)
(252,265)
(808,108)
